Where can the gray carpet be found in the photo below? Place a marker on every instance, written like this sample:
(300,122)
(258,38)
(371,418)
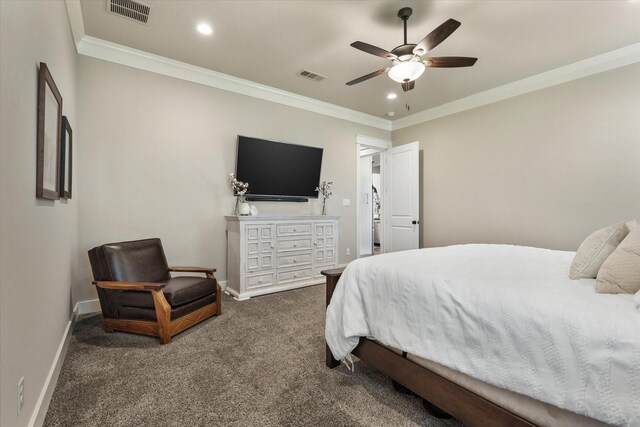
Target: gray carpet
(261,363)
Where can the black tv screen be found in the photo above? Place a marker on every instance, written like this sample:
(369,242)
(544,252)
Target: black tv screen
(278,171)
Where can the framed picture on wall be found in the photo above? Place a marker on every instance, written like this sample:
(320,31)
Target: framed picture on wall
(49,131)
(66,159)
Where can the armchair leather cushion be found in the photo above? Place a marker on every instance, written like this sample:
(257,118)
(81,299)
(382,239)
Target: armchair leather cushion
(143,313)
(136,261)
(178,291)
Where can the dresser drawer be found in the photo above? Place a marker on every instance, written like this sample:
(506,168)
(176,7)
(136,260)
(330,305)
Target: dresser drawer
(293,229)
(295,275)
(292,260)
(294,245)
(259,281)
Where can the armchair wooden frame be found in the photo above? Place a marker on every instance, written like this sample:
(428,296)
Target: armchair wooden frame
(164,327)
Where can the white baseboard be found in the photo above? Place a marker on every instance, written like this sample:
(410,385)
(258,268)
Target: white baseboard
(42,405)
(88,306)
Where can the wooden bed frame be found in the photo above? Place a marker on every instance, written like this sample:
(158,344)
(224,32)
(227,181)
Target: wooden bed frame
(465,405)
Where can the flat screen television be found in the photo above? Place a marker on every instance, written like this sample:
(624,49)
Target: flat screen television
(277,171)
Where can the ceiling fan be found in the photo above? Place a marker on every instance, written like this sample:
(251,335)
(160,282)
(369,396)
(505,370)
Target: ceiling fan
(407,63)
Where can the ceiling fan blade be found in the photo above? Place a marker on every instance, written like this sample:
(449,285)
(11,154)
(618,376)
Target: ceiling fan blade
(408,85)
(435,37)
(373,50)
(449,61)
(367,77)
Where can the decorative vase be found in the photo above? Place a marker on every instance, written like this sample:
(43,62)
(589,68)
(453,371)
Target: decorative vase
(241,209)
(245,209)
(254,210)
(324,206)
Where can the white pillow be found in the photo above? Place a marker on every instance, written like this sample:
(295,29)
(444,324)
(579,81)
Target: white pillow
(596,248)
(620,273)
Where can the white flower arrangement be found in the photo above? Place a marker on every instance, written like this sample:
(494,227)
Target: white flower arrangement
(325,189)
(239,188)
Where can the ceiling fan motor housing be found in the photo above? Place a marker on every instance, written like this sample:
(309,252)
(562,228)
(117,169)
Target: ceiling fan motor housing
(404,51)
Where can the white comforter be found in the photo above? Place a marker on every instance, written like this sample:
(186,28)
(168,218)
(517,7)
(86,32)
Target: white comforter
(507,315)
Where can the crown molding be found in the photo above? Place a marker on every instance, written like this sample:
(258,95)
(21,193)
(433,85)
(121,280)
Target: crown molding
(371,141)
(74,11)
(112,52)
(596,64)
(123,55)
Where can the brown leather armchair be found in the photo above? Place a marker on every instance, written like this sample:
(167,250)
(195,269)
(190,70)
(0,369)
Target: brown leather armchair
(137,293)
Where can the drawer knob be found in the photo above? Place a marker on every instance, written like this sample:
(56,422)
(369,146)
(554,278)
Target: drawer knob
(295,260)
(260,281)
(295,245)
(294,230)
(295,275)
(273,246)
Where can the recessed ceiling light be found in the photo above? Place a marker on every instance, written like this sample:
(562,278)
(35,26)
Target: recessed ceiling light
(204,29)
(392,96)
(391,113)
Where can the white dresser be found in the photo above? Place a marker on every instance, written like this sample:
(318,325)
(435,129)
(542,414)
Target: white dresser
(269,254)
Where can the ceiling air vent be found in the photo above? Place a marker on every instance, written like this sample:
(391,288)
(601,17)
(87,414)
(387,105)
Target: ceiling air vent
(130,9)
(311,76)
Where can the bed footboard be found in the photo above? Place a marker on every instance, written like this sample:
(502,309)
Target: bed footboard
(332,276)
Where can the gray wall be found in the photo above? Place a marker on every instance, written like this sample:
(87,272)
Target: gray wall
(156,153)
(542,169)
(38,244)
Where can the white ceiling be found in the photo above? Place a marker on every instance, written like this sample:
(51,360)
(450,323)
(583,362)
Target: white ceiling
(270,41)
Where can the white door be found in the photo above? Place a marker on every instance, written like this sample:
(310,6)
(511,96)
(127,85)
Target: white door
(401,211)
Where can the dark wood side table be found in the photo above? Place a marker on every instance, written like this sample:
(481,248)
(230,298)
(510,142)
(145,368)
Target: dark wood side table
(332,276)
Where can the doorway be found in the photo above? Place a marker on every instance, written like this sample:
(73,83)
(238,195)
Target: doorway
(370,203)
(388,196)
(376,198)
(371,152)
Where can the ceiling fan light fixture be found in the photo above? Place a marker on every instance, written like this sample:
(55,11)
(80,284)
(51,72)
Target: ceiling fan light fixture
(406,71)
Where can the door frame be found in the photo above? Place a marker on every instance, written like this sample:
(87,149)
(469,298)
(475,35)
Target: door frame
(368,145)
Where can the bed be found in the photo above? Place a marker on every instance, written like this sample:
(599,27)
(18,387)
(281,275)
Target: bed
(494,334)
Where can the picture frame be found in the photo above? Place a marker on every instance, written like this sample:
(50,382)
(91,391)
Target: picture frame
(49,132)
(66,159)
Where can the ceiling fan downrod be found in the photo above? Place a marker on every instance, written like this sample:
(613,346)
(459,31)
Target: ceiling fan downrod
(404,14)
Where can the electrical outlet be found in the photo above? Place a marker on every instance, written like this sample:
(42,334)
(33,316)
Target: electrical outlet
(348,251)
(20,394)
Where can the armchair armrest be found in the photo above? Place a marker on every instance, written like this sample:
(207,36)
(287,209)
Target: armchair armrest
(193,270)
(132,286)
